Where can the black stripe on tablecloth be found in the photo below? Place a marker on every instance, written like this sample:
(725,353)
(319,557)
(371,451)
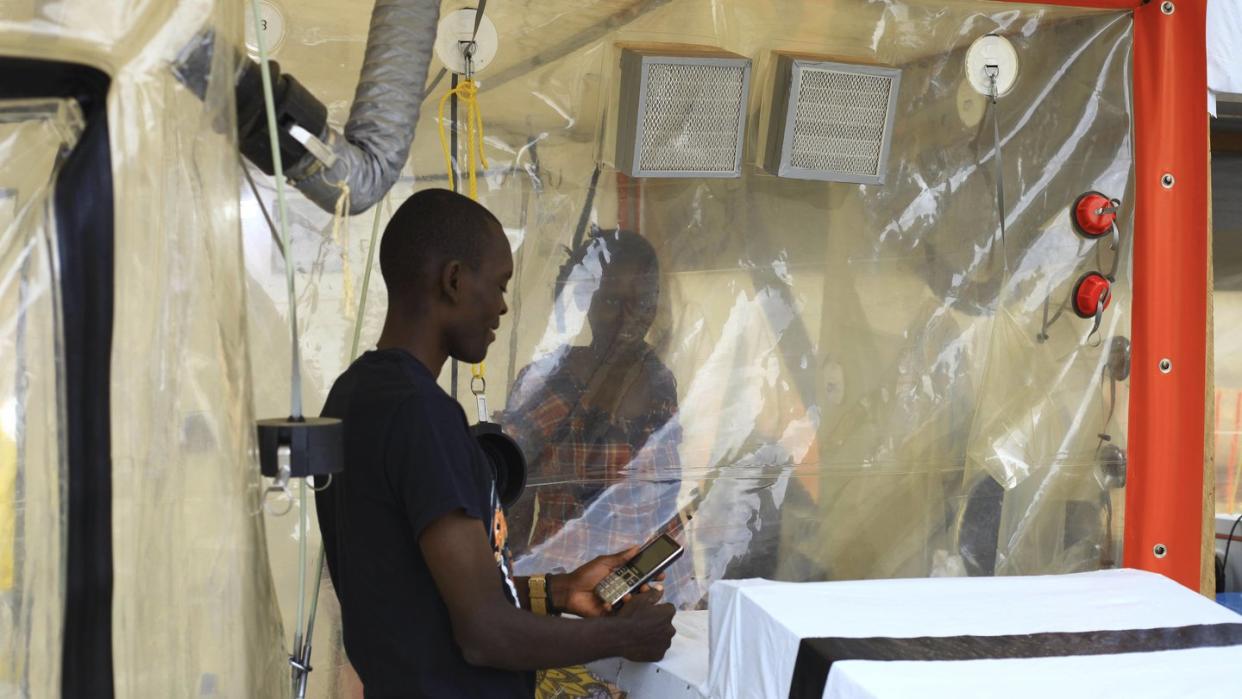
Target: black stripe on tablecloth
(816,655)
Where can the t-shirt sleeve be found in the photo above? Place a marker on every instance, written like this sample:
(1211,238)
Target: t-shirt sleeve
(431,464)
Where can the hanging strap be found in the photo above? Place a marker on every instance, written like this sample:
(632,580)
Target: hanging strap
(1099,318)
(993,72)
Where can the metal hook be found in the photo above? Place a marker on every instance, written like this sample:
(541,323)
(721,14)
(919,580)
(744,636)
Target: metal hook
(993,72)
(1114,207)
(325,486)
(467,52)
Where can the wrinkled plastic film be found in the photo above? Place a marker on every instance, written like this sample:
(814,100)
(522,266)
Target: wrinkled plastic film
(194,389)
(186,538)
(34,136)
(839,377)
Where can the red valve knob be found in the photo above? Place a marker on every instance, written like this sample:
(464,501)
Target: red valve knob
(1089,291)
(1093,215)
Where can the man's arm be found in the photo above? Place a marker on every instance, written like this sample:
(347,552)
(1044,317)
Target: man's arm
(556,588)
(574,592)
(492,632)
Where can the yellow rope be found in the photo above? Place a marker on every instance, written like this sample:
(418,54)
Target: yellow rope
(467,92)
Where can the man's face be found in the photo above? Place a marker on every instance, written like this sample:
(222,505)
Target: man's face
(623,307)
(481,301)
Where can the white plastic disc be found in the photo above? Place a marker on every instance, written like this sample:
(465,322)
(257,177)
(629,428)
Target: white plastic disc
(992,50)
(272,19)
(453,35)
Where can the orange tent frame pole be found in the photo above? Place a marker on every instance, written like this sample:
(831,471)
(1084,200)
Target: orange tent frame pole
(1164,492)
(1089,4)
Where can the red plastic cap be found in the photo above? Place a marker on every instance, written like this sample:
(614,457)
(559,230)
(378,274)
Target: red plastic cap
(1089,291)
(1088,220)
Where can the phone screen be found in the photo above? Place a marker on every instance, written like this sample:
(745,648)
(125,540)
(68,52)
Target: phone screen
(654,555)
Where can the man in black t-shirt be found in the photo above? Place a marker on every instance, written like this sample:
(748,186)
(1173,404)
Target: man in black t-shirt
(413,531)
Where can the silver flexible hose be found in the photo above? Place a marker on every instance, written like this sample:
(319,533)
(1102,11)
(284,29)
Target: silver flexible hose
(372,151)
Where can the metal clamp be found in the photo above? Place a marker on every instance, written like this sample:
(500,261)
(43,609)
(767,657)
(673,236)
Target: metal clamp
(280,485)
(322,151)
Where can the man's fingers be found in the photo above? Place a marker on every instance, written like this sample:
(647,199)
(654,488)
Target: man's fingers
(647,598)
(620,558)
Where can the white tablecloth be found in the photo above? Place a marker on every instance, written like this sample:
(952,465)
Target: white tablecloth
(757,626)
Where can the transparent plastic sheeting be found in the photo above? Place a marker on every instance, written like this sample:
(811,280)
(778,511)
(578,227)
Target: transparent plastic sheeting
(193,601)
(843,379)
(34,134)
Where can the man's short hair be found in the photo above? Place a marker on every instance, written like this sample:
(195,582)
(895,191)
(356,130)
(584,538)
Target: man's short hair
(429,229)
(617,249)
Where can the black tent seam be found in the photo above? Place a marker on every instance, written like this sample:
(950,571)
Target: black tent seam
(83,210)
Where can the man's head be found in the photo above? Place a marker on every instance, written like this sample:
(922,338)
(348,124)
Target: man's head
(446,263)
(616,274)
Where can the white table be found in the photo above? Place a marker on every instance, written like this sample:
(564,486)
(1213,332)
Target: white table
(758,626)
(682,674)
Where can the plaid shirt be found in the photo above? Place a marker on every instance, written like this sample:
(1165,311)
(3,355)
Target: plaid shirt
(597,483)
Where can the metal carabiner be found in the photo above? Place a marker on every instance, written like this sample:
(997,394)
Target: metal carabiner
(478,386)
(284,468)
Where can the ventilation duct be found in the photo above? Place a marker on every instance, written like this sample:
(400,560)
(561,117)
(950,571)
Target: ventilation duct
(682,111)
(367,157)
(830,121)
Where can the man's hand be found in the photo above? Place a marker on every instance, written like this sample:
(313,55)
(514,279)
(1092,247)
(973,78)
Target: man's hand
(650,628)
(575,593)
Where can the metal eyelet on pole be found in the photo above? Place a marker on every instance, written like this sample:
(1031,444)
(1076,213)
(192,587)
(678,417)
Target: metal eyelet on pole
(1167,7)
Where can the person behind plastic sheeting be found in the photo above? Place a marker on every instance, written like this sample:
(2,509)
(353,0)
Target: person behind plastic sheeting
(413,530)
(598,421)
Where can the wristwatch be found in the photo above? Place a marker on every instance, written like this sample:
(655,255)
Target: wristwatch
(538,585)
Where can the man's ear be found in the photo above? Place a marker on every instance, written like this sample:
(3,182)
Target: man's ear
(450,280)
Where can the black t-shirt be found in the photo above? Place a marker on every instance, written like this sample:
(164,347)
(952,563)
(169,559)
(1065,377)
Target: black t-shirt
(409,459)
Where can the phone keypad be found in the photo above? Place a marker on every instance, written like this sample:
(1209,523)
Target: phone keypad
(617,585)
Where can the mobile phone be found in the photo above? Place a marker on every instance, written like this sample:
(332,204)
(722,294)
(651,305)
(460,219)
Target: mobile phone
(657,555)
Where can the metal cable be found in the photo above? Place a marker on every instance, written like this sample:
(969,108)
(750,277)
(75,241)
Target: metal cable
(993,72)
(254,189)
